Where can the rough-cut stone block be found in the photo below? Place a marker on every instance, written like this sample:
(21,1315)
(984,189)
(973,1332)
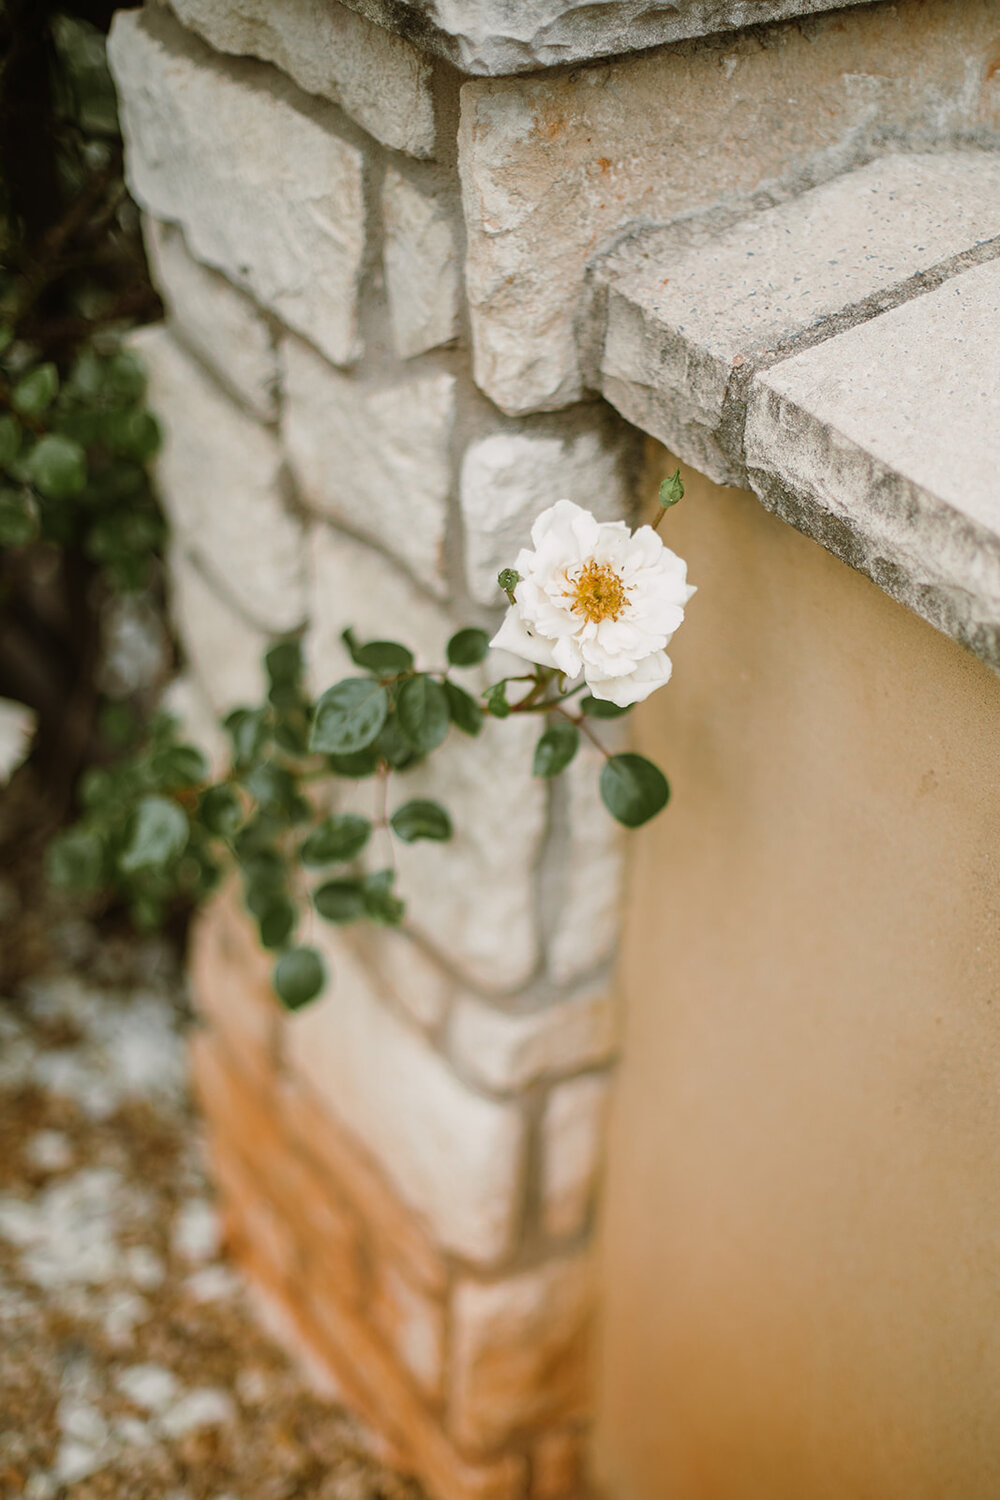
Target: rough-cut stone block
(884,444)
(398,1235)
(231,985)
(571,1138)
(472,899)
(375,456)
(505,1050)
(557,1466)
(422,268)
(224,652)
(555,165)
(509,477)
(220,324)
(585,929)
(219,477)
(520,1352)
(680,320)
(501,37)
(454,1156)
(413,979)
(187,704)
(265,188)
(413,1323)
(377,78)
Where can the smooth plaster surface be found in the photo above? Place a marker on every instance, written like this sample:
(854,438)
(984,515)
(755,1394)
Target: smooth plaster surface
(801,1223)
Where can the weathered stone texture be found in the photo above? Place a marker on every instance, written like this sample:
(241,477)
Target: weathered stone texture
(379,79)
(218,323)
(224,651)
(506,1050)
(413,1323)
(422,266)
(265,189)
(520,1352)
(679,320)
(553,167)
(454,1156)
(185,700)
(585,929)
(498,37)
(510,476)
(374,455)
(557,1465)
(884,444)
(219,477)
(572,1134)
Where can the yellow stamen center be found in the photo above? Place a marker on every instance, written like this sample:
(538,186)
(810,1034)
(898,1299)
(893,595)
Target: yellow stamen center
(598,594)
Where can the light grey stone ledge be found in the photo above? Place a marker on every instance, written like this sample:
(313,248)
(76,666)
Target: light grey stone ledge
(493,37)
(838,355)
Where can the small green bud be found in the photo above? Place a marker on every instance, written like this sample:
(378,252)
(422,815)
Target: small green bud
(671,490)
(496,701)
(508,579)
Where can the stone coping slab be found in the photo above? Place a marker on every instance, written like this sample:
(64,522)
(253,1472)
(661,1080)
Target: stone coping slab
(839,355)
(493,37)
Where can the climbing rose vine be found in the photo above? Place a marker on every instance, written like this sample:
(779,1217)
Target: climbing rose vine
(592,609)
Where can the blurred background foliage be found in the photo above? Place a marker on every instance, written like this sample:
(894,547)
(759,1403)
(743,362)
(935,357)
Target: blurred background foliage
(82,638)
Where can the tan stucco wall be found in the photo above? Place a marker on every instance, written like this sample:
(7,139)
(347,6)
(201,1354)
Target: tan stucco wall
(801,1226)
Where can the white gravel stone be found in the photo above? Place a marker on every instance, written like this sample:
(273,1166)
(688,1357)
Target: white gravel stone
(76,1461)
(586,926)
(373,455)
(211,1284)
(422,267)
(151,1387)
(454,1156)
(144,1267)
(219,477)
(505,1050)
(380,80)
(572,1134)
(50,1151)
(123,1313)
(196,1234)
(224,653)
(509,477)
(218,322)
(206,1407)
(264,187)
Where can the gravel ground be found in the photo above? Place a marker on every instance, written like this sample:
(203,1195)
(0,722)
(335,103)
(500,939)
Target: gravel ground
(129,1362)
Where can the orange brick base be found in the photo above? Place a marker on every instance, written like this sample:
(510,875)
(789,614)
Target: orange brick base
(355,1276)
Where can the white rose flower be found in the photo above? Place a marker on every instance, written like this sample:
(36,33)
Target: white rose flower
(597,599)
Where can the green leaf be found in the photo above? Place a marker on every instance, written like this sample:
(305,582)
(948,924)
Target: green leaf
(349,716)
(18,522)
(392,745)
(180,766)
(75,860)
(298,977)
(132,434)
(671,490)
(263,872)
(124,378)
(496,701)
(421,819)
(36,390)
(600,708)
(247,728)
(283,663)
(465,712)
(276,923)
(337,839)
(632,789)
(10,439)
(381,905)
(57,466)
(340,901)
(158,834)
(555,749)
(272,786)
(385,658)
(422,709)
(467,648)
(355,767)
(220,811)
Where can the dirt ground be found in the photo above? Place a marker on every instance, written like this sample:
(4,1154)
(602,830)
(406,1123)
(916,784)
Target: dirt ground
(130,1363)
